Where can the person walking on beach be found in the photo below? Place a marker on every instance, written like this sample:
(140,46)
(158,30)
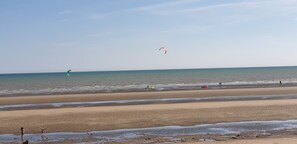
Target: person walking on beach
(280,82)
(42,133)
(42,130)
(22,134)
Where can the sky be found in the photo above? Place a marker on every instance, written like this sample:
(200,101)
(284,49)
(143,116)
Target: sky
(99,35)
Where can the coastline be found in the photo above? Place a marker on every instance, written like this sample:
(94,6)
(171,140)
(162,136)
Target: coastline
(143,89)
(145,95)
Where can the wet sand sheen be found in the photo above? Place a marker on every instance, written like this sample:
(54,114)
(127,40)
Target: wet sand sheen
(145,101)
(144,95)
(139,116)
(289,140)
(239,129)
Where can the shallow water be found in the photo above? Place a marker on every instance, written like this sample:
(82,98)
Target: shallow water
(146,101)
(107,81)
(125,134)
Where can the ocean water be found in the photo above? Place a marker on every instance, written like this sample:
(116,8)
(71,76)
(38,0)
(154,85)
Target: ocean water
(108,81)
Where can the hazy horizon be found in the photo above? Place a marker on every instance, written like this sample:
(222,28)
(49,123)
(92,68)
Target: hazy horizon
(73,71)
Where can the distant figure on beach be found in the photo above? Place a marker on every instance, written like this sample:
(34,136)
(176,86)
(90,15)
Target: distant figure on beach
(149,87)
(42,130)
(220,83)
(42,133)
(204,87)
(280,82)
(22,134)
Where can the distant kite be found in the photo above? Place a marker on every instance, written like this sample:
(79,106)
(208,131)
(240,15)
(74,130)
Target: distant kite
(163,48)
(68,72)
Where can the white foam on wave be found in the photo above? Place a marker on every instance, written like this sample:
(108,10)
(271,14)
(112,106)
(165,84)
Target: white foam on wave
(106,88)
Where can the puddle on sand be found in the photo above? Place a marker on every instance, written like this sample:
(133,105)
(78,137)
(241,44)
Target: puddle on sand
(126,134)
(146,101)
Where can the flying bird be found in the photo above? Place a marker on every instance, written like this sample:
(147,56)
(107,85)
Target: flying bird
(163,48)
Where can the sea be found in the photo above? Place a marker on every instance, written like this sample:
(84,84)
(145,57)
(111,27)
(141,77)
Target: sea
(144,80)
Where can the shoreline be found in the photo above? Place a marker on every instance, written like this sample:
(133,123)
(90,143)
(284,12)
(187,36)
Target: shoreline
(178,88)
(145,95)
(203,132)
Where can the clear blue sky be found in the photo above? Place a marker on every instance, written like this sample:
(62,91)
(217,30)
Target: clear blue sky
(56,35)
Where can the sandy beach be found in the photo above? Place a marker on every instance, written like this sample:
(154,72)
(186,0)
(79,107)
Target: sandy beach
(139,116)
(145,95)
(86,119)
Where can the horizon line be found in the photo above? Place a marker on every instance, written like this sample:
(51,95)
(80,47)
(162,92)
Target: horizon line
(127,70)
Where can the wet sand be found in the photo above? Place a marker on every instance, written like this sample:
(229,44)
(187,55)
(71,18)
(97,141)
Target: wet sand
(251,138)
(96,118)
(144,95)
(145,101)
(172,134)
(289,140)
